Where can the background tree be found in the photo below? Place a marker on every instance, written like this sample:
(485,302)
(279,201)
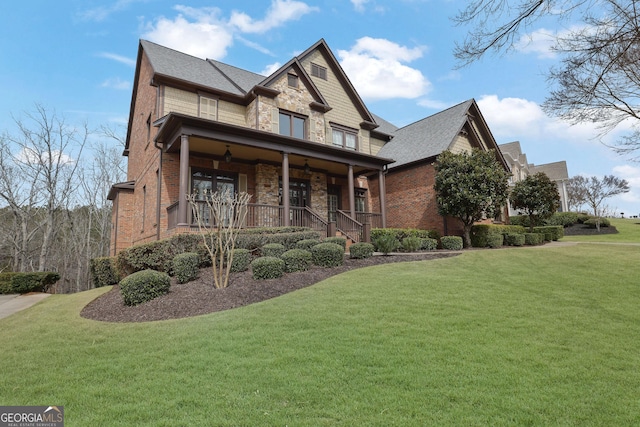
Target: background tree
(537,196)
(470,187)
(593,191)
(597,79)
(53,187)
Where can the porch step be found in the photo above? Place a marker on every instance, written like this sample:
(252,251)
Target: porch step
(349,241)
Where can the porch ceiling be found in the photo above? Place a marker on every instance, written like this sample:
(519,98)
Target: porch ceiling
(250,146)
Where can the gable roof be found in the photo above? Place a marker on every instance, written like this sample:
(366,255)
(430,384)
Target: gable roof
(556,171)
(428,137)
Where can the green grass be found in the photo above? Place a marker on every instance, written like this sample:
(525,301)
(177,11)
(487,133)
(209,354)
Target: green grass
(628,232)
(530,336)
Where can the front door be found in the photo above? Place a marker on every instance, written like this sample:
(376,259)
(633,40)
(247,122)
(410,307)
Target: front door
(299,197)
(333,201)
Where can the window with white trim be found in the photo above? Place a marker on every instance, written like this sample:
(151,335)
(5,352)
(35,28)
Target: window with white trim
(344,137)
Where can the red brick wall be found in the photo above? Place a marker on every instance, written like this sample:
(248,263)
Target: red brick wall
(411,200)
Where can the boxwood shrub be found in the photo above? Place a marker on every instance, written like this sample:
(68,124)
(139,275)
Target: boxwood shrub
(514,239)
(22,283)
(103,271)
(428,244)
(186,267)
(554,232)
(307,244)
(143,286)
(327,255)
(267,268)
(564,219)
(533,239)
(411,244)
(361,250)
(481,233)
(495,240)
(591,223)
(241,260)
(296,260)
(272,250)
(386,243)
(452,243)
(402,233)
(337,240)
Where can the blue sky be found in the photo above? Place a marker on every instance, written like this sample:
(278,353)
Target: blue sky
(77,57)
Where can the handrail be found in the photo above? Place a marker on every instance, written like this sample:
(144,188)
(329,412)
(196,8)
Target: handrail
(315,221)
(348,226)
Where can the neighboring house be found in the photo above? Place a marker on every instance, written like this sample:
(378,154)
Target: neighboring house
(300,141)
(521,168)
(410,197)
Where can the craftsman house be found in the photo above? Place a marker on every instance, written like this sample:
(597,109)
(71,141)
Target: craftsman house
(301,142)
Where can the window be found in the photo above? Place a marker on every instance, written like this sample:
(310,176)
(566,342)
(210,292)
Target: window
(361,200)
(206,181)
(208,108)
(144,206)
(292,80)
(343,137)
(292,125)
(318,71)
(299,192)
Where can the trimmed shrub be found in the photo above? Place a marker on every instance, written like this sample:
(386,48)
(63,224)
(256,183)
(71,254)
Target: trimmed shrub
(533,239)
(521,220)
(5,283)
(514,239)
(583,217)
(555,232)
(22,283)
(327,255)
(337,240)
(591,223)
(386,243)
(564,219)
(307,244)
(361,250)
(241,260)
(481,233)
(296,260)
(452,243)
(186,266)
(267,268)
(428,244)
(272,250)
(402,233)
(495,240)
(143,286)
(103,271)
(411,244)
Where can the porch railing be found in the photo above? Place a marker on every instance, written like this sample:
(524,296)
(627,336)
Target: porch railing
(375,219)
(349,226)
(258,215)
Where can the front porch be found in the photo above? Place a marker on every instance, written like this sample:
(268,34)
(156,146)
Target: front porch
(292,182)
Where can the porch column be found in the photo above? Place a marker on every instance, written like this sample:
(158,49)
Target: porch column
(352,193)
(285,189)
(184,181)
(383,197)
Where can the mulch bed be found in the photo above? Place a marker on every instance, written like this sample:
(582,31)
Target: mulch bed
(200,297)
(583,230)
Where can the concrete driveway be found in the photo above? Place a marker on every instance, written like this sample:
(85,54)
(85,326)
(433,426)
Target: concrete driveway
(10,304)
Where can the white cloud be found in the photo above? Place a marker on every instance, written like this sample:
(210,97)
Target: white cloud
(31,156)
(270,69)
(542,41)
(433,104)
(375,67)
(118,58)
(101,13)
(203,34)
(632,175)
(116,83)
(278,13)
(358,5)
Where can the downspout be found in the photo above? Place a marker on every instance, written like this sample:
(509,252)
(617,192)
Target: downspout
(159,192)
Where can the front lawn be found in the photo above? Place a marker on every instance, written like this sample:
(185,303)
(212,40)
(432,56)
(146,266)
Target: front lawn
(528,336)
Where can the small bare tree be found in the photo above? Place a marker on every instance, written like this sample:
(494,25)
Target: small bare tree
(220,216)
